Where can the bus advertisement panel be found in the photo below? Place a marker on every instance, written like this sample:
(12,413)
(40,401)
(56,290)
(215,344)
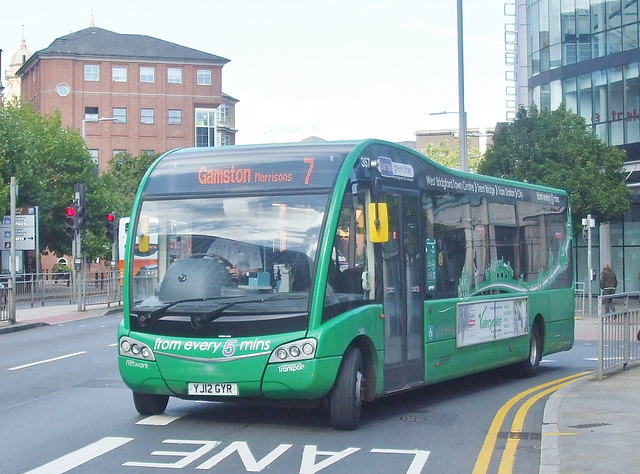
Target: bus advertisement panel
(335,273)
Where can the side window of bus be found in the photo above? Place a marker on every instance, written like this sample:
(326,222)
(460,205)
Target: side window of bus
(543,233)
(348,256)
(447,218)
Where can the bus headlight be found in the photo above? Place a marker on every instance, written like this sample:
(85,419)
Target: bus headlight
(136,349)
(308,349)
(292,351)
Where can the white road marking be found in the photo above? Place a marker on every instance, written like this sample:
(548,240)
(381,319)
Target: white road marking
(419,457)
(48,360)
(81,456)
(313,460)
(158,420)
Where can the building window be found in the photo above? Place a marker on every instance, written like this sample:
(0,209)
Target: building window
(174,75)
(119,73)
(223,139)
(148,152)
(630,37)
(91,114)
(117,151)
(94,155)
(175,117)
(204,77)
(223,113)
(119,114)
(205,127)
(147,74)
(91,72)
(146,116)
(62,90)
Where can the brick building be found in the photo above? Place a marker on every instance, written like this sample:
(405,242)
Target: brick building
(131,93)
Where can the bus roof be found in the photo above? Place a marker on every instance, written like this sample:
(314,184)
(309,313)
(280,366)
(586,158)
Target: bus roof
(309,166)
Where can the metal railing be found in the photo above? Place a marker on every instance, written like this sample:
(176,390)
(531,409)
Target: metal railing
(619,331)
(33,290)
(579,291)
(5,314)
(103,288)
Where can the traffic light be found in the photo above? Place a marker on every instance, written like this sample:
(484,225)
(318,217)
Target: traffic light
(83,217)
(110,223)
(71,219)
(80,190)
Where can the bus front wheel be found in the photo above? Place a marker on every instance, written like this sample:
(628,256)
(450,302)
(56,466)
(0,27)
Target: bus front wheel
(149,404)
(529,367)
(345,401)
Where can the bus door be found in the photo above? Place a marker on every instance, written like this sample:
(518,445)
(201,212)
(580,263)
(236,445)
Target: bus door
(402,294)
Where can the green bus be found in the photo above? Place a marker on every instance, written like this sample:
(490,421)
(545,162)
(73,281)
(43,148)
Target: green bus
(336,273)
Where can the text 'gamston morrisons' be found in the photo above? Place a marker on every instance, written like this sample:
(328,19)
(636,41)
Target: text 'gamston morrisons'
(235,175)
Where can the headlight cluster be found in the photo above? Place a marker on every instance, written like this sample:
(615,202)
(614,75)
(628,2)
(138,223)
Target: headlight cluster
(136,349)
(298,350)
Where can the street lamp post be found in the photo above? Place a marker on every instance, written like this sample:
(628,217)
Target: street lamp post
(76,245)
(462,113)
(101,119)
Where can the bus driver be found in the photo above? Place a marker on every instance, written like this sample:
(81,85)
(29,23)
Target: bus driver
(244,257)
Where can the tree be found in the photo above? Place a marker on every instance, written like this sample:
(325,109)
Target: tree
(115,190)
(47,161)
(449,156)
(556,148)
(119,184)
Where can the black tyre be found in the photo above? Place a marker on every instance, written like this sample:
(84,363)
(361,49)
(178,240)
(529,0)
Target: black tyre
(529,367)
(148,404)
(345,400)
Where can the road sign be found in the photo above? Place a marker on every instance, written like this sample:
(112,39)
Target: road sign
(25,231)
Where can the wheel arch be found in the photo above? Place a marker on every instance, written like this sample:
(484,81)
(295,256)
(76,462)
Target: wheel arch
(370,363)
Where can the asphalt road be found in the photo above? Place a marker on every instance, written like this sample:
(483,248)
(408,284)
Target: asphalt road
(63,405)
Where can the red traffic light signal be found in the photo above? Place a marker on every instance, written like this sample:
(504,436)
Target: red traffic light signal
(71,219)
(110,224)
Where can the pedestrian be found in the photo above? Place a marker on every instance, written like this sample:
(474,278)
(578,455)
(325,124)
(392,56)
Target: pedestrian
(608,283)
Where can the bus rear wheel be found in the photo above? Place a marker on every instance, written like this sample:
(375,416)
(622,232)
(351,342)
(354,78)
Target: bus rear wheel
(149,404)
(345,400)
(529,367)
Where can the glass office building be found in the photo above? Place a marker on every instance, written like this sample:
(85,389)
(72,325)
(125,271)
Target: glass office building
(586,53)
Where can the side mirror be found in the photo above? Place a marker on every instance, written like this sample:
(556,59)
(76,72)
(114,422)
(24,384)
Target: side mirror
(378,222)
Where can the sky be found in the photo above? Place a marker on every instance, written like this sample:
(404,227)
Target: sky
(334,69)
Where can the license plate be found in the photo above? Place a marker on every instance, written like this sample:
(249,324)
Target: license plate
(214,389)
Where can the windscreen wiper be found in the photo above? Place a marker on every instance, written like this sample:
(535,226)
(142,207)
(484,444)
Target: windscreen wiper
(198,320)
(147,316)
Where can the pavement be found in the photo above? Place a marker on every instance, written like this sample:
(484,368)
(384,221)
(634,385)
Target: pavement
(29,318)
(590,426)
(593,426)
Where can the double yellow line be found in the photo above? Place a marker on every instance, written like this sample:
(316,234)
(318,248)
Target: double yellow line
(509,454)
